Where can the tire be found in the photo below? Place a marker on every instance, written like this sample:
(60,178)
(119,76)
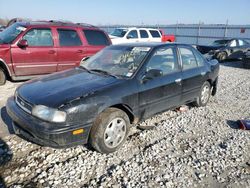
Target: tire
(2,77)
(246,63)
(110,130)
(204,95)
(222,56)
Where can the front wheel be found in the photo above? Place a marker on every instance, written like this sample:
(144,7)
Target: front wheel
(222,56)
(204,95)
(2,77)
(109,130)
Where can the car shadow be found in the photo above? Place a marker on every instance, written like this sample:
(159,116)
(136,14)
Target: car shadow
(233,63)
(233,124)
(5,157)
(7,120)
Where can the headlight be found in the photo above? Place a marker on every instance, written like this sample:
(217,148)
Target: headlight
(49,114)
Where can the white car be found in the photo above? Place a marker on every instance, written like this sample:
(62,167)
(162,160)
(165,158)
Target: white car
(133,34)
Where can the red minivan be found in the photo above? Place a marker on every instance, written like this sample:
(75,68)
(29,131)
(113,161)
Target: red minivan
(30,49)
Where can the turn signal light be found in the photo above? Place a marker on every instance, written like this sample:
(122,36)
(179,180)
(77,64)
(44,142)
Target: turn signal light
(78,131)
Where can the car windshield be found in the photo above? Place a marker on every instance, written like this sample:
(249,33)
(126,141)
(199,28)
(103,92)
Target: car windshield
(219,43)
(9,34)
(118,61)
(119,32)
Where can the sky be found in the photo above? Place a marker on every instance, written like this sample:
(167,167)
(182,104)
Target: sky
(130,12)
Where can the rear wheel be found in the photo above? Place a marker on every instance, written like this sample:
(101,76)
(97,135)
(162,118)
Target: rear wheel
(204,95)
(110,130)
(2,77)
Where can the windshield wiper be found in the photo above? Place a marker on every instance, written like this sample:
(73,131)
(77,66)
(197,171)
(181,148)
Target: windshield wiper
(103,72)
(84,68)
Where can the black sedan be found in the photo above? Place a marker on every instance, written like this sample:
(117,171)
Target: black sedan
(115,88)
(225,49)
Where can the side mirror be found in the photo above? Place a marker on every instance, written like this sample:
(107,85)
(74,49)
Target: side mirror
(213,61)
(151,74)
(84,59)
(23,43)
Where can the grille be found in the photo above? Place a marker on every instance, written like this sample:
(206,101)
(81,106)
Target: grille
(23,104)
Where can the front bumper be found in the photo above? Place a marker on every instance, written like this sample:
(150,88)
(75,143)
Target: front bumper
(45,133)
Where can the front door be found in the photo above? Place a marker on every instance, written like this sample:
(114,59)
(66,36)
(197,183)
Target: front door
(164,91)
(132,36)
(39,57)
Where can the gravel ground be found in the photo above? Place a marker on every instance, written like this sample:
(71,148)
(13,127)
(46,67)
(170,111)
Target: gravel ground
(201,147)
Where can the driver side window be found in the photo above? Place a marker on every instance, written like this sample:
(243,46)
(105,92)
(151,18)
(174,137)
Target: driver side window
(39,37)
(163,59)
(233,43)
(133,34)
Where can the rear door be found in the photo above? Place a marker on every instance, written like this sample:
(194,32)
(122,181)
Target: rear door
(162,92)
(70,48)
(39,57)
(194,73)
(144,36)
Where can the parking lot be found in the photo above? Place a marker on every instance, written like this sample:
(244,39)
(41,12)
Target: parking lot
(201,147)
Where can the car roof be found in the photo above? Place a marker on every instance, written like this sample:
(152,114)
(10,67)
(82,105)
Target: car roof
(56,23)
(127,28)
(151,44)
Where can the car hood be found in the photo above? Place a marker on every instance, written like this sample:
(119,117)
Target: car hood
(206,49)
(59,88)
(114,37)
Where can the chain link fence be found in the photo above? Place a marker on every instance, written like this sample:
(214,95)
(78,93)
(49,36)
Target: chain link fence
(198,33)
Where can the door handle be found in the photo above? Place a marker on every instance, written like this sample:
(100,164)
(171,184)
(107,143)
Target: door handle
(203,73)
(178,81)
(79,51)
(52,51)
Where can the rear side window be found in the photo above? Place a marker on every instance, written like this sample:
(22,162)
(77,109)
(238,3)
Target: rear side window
(187,58)
(96,38)
(143,34)
(39,37)
(199,58)
(242,43)
(155,34)
(69,38)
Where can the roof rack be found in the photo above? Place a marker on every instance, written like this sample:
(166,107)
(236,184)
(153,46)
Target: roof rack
(60,21)
(85,24)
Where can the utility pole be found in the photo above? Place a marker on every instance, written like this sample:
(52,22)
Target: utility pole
(225,32)
(198,33)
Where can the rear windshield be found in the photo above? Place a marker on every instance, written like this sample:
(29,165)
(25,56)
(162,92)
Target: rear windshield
(95,37)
